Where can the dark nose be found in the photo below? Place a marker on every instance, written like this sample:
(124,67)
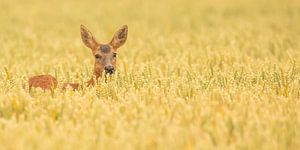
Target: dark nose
(109,69)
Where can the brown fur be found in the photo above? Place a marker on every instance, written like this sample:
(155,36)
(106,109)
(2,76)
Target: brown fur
(102,59)
(73,86)
(45,82)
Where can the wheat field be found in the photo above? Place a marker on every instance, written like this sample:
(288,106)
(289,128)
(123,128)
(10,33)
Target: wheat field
(209,74)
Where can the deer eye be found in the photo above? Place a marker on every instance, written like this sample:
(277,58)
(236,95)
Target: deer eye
(114,55)
(98,56)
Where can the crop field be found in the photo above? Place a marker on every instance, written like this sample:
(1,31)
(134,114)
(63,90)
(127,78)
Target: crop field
(209,74)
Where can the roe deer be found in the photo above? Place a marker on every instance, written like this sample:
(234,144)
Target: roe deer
(43,81)
(105,59)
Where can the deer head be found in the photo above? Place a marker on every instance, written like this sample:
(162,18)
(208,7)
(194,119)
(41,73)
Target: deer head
(105,54)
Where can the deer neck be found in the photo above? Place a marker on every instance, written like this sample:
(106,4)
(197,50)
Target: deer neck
(94,78)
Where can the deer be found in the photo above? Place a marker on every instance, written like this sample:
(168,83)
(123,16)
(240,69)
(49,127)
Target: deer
(105,56)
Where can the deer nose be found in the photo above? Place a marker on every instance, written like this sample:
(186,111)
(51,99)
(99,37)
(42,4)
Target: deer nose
(109,69)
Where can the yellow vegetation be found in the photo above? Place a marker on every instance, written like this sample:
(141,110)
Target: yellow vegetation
(193,75)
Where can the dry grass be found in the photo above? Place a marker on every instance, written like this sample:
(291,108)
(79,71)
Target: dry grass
(193,75)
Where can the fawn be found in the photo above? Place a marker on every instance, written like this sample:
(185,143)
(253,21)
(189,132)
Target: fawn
(105,59)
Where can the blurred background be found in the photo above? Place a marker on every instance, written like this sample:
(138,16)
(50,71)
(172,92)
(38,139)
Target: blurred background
(35,32)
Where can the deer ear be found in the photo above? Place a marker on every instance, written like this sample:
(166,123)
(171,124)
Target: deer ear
(120,37)
(87,37)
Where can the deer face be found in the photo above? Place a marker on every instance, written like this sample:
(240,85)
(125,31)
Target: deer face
(105,54)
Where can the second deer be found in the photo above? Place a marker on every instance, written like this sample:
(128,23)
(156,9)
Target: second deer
(105,56)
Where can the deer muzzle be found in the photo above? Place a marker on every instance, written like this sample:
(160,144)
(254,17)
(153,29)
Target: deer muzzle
(109,69)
